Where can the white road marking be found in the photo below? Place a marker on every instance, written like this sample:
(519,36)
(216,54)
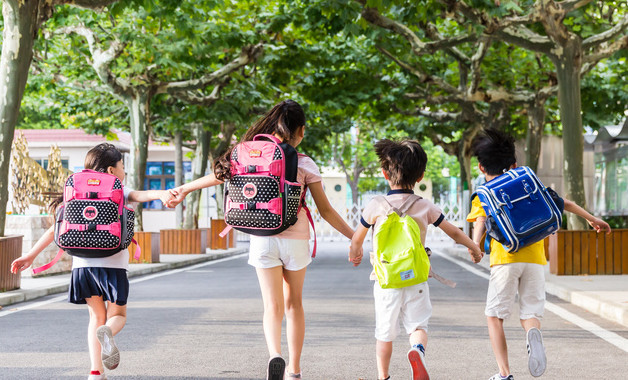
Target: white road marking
(609,336)
(10,310)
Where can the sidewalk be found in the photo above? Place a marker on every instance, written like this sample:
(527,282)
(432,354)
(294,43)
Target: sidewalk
(606,296)
(32,288)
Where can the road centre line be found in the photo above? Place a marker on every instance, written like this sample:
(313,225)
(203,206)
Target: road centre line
(609,336)
(34,305)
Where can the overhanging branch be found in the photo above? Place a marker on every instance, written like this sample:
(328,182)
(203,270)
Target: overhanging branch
(248,55)
(102,59)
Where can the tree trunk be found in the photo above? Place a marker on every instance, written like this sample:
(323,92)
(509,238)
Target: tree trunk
(568,66)
(178,174)
(199,167)
(139,106)
(534,136)
(20,28)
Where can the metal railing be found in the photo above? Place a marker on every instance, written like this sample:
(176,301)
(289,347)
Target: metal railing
(454,213)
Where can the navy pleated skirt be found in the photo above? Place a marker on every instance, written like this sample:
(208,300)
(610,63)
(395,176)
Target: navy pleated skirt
(112,284)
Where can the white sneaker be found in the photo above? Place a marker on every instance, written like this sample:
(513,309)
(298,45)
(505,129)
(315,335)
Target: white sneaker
(110,354)
(537,361)
(497,376)
(417,363)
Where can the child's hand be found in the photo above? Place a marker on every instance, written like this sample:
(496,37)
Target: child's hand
(166,197)
(599,225)
(355,255)
(22,263)
(177,195)
(476,254)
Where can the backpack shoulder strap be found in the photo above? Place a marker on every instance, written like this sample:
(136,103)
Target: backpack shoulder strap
(407,204)
(390,208)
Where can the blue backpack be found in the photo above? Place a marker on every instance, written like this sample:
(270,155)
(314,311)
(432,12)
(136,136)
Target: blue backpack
(520,210)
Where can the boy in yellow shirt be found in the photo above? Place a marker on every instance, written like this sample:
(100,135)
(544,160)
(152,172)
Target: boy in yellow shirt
(518,272)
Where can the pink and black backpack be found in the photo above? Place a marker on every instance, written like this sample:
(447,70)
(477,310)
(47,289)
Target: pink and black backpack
(93,220)
(263,196)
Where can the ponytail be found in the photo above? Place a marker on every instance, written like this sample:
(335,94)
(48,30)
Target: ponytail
(284,119)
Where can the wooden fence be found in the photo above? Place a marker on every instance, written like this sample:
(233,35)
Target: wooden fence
(183,241)
(10,249)
(587,252)
(149,246)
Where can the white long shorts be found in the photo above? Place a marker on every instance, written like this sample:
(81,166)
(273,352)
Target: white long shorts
(526,279)
(270,252)
(410,306)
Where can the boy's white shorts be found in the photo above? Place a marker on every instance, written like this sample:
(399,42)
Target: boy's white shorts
(506,281)
(410,305)
(270,252)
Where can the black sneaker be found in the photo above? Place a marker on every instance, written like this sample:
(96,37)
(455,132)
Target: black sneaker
(276,368)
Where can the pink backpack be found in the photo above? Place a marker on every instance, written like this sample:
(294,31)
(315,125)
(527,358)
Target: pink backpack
(93,220)
(263,196)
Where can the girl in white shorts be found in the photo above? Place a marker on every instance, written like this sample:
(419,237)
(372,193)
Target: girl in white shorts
(281,260)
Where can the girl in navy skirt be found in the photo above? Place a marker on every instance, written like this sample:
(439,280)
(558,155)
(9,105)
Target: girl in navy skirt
(102,282)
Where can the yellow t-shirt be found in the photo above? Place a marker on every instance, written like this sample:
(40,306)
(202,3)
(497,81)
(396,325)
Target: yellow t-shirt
(534,253)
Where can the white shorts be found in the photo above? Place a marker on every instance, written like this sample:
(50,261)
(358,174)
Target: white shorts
(270,252)
(506,281)
(410,305)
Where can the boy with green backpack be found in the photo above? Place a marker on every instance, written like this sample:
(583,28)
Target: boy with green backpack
(400,262)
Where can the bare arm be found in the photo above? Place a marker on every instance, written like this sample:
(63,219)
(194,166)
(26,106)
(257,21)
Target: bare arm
(179,193)
(149,195)
(27,260)
(598,224)
(355,251)
(327,211)
(460,238)
(479,228)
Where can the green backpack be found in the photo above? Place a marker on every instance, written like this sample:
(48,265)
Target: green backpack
(400,259)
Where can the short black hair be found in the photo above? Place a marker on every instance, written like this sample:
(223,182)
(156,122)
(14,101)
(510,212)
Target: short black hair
(495,151)
(403,161)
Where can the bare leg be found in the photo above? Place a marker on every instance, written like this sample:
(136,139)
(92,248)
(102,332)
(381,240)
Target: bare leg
(498,342)
(116,317)
(383,352)
(271,285)
(295,316)
(97,318)
(419,336)
(527,324)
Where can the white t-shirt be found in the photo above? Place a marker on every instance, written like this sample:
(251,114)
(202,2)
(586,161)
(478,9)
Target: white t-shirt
(119,260)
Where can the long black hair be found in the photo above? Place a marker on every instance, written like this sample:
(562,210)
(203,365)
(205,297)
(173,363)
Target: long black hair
(284,119)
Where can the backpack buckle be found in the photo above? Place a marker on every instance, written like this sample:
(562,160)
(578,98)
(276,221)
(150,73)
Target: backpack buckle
(251,206)
(92,195)
(91,227)
(251,169)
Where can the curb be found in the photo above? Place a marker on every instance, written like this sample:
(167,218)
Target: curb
(587,300)
(60,283)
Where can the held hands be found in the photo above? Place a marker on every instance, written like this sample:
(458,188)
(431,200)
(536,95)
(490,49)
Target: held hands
(599,225)
(22,263)
(476,254)
(174,197)
(355,255)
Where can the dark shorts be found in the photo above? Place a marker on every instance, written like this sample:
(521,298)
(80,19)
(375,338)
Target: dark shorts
(112,284)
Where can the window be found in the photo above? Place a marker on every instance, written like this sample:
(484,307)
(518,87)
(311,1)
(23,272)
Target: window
(44,163)
(160,176)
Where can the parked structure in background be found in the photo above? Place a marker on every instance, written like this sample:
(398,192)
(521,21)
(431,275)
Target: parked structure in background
(610,147)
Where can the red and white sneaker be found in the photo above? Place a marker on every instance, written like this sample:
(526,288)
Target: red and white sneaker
(96,375)
(416,357)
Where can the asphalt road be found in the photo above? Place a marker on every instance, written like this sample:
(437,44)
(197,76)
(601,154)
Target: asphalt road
(204,322)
